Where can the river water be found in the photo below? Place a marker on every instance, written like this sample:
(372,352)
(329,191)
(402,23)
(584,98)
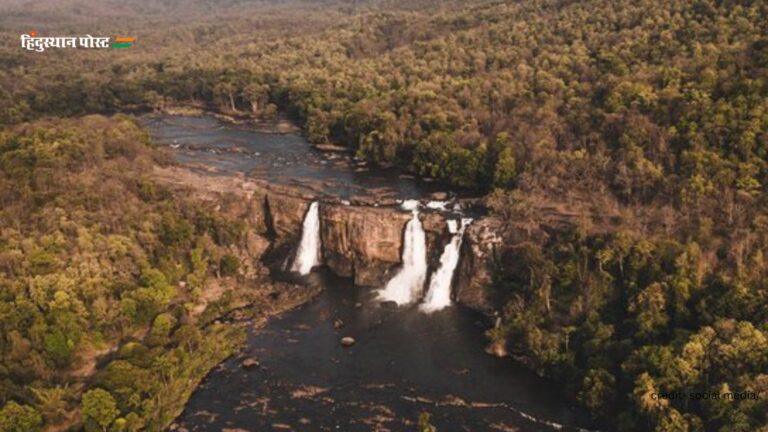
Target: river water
(404,362)
(219,148)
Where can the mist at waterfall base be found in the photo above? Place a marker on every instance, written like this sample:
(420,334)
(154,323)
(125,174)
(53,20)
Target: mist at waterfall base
(404,362)
(308,255)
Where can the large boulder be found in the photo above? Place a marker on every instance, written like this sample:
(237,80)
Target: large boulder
(249,363)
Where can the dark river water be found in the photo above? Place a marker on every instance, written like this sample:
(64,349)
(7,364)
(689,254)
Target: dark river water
(404,362)
(220,148)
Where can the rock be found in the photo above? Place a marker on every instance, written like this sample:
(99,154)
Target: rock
(439,196)
(498,349)
(331,148)
(478,259)
(338,323)
(249,363)
(255,245)
(388,202)
(388,304)
(359,241)
(358,305)
(285,127)
(362,242)
(285,214)
(347,341)
(365,242)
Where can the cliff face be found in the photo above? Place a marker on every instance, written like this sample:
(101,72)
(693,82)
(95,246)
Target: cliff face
(478,258)
(361,242)
(283,211)
(358,241)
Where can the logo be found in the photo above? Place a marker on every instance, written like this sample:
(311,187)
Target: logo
(33,42)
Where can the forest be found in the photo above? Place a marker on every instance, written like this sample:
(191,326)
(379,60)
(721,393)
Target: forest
(647,119)
(92,252)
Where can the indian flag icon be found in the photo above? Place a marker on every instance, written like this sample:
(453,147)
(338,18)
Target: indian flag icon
(123,42)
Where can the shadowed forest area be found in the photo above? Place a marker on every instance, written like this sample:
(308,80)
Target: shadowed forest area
(640,127)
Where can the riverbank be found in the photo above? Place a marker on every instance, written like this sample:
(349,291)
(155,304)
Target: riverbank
(224,327)
(280,124)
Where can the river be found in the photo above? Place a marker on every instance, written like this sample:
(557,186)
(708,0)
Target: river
(404,361)
(219,148)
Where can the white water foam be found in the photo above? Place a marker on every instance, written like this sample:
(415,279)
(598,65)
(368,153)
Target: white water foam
(410,205)
(408,283)
(438,205)
(308,254)
(439,292)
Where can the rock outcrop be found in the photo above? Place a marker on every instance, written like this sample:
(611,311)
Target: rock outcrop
(359,241)
(478,258)
(279,209)
(365,243)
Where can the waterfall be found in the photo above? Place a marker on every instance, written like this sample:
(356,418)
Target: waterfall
(438,205)
(439,292)
(408,283)
(308,254)
(410,204)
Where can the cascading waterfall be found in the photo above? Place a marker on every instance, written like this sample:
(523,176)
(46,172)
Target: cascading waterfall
(308,254)
(439,292)
(408,283)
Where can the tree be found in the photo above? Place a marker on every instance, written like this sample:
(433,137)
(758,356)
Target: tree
(52,402)
(598,392)
(58,348)
(257,94)
(506,170)
(649,308)
(99,405)
(424,423)
(229,265)
(162,327)
(19,418)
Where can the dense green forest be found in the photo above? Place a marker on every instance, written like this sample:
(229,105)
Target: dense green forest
(92,253)
(651,114)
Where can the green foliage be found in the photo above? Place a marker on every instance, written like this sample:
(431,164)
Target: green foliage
(229,265)
(162,327)
(598,392)
(99,406)
(58,348)
(619,317)
(91,252)
(52,402)
(431,91)
(19,418)
(151,385)
(424,423)
(653,111)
